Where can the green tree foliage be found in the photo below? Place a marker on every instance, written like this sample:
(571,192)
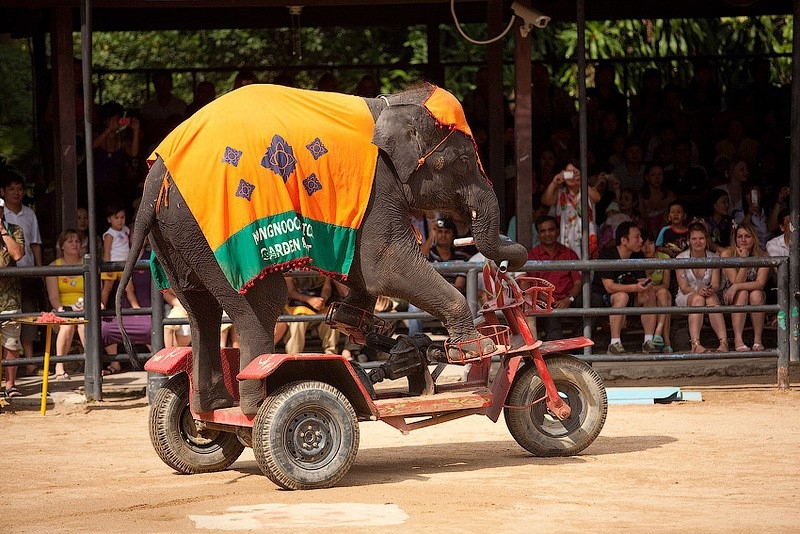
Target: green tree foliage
(396,56)
(16,103)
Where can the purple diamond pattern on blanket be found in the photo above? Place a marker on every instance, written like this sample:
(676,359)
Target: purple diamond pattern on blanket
(280,158)
(232,156)
(312,184)
(316,148)
(245,189)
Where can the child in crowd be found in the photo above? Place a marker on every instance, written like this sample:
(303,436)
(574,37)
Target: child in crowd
(660,279)
(116,245)
(674,239)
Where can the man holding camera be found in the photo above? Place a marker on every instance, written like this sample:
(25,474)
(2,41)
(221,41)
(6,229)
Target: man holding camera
(563,195)
(618,289)
(12,249)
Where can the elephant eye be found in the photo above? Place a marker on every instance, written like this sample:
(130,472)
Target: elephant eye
(464,159)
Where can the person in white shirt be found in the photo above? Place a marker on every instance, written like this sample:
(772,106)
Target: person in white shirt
(779,246)
(32,288)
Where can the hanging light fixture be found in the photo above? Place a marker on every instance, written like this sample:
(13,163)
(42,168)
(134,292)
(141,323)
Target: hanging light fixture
(294,31)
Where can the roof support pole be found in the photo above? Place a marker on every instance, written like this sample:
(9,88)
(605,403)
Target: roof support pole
(794,197)
(92,378)
(66,163)
(523,137)
(497,112)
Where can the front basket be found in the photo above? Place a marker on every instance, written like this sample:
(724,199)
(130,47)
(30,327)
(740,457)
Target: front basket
(474,350)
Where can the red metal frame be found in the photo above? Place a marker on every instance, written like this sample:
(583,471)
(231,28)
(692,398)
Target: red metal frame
(514,342)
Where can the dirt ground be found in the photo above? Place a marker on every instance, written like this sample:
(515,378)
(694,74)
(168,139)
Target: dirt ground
(727,464)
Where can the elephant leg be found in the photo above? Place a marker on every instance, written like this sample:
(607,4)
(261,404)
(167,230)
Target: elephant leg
(265,302)
(401,271)
(201,285)
(205,317)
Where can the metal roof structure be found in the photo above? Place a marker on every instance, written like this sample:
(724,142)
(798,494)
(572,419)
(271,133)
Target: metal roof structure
(26,17)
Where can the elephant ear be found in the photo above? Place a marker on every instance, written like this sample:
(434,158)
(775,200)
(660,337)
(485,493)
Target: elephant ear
(398,136)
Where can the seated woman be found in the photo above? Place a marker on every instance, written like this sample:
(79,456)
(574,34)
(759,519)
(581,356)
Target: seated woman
(138,327)
(63,292)
(745,285)
(698,287)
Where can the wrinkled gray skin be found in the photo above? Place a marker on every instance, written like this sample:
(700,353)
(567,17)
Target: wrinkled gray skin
(387,259)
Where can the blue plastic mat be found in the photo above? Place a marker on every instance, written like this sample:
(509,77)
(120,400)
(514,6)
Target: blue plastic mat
(650,395)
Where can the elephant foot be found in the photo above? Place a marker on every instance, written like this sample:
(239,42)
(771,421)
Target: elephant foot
(407,359)
(251,395)
(471,350)
(208,401)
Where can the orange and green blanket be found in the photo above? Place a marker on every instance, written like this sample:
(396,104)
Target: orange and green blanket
(276,177)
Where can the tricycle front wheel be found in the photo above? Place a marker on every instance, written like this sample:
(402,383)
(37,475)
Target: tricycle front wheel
(177,438)
(540,432)
(305,436)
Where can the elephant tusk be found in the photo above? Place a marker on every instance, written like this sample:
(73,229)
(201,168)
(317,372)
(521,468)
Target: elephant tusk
(474,214)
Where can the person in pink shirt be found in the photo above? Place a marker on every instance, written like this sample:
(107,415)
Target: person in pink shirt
(567,284)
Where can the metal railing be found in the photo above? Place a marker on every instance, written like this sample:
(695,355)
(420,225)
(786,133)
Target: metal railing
(472,271)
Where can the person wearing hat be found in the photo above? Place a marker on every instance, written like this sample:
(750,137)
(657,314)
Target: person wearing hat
(614,217)
(11,251)
(442,249)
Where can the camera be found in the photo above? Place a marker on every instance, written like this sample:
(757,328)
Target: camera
(531,18)
(569,175)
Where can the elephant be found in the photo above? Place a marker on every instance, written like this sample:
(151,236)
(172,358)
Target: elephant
(205,210)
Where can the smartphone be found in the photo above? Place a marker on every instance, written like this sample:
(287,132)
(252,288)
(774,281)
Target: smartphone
(569,175)
(754,197)
(647,282)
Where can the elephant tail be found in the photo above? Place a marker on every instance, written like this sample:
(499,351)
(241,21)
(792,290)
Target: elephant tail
(145,218)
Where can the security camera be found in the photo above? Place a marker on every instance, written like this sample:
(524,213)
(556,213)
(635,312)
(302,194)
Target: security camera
(530,17)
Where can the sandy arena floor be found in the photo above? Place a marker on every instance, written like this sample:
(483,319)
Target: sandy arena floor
(727,464)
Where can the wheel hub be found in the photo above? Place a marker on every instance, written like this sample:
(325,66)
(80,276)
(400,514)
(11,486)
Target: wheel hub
(310,437)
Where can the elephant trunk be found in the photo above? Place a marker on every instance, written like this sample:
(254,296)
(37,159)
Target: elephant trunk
(486,231)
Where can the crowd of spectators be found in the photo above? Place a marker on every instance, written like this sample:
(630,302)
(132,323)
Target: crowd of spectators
(666,159)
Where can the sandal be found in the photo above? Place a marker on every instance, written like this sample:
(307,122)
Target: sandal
(742,348)
(61,376)
(667,349)
(13,392)
(108,371)
(723,345)
(697,348)
(658,341)
(758,347)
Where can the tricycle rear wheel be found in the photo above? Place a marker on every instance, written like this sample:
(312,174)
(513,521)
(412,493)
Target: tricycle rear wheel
(178,441)
(540,432)
(305,436)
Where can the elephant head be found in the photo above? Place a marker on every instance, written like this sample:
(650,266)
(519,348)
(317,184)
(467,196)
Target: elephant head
(426,136)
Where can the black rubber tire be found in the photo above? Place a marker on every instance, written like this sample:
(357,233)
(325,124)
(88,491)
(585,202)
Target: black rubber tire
(175,437)
(305,436)
(540,432)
